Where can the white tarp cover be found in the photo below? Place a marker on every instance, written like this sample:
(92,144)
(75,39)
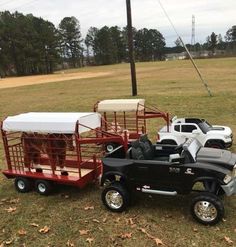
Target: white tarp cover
(121,105)
(52,122)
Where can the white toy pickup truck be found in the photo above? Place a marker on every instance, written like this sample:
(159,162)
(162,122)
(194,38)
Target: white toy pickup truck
(208,135)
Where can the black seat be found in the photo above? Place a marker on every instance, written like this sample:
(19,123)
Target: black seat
(147,147)
(187,157)
(136,151)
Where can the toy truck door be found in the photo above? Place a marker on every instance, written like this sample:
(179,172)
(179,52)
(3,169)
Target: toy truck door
(178,134)
(165,176)
(186,130)
(155,174)
(139,172)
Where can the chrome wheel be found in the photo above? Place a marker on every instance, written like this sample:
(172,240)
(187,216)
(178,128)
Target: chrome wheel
(205,211)
(42,188)
(114,199)
(21,184)
(110,148)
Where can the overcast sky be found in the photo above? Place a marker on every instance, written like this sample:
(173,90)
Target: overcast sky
(210,15)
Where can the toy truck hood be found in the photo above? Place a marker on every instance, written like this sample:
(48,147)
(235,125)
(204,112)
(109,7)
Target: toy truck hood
(164,128)
(115,164)
(219,157)
(223,130)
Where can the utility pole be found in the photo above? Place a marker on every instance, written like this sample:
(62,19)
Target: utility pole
(131,48)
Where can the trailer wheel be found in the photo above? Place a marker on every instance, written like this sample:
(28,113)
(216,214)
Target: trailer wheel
(115,197)
(207,208)
(43,187)
(111,146)
(22,185)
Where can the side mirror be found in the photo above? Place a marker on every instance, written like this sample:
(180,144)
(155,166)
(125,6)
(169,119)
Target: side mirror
(196,132)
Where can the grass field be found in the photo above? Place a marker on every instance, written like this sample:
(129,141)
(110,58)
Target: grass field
(77,218)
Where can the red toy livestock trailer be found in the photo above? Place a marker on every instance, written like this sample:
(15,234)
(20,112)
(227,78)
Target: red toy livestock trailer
(42,149)
(128,115)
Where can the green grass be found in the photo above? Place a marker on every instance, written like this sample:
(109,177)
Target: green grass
(173,87)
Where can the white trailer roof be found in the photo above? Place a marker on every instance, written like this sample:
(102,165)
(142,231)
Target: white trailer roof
(52,122)
(121,105)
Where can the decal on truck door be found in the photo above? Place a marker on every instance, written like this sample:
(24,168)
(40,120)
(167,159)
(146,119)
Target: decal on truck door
(174,170)
(189,171)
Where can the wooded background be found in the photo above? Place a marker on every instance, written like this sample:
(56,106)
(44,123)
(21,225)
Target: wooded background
(30,45)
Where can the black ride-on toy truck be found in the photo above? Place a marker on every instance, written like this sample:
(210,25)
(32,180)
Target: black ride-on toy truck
(170,170)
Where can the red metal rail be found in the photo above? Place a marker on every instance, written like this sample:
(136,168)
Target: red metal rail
(135,122)
(69,159)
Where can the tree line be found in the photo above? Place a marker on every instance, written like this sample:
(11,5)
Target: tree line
(109,45)
(30,45)
(214,42)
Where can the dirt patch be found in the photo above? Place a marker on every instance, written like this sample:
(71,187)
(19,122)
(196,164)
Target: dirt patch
(40,79)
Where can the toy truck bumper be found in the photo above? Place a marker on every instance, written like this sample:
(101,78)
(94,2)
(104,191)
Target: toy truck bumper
(230,188)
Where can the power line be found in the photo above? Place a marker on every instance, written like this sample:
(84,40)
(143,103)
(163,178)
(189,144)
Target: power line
(7,2)
(23,5)
(19,6)
(189,54)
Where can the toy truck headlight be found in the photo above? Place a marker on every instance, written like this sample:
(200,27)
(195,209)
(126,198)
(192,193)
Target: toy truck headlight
(227,178)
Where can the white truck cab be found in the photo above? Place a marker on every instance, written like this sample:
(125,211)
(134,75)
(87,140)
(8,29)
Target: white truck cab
(208,135)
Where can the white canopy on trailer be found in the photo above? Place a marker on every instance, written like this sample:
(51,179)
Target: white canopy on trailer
(121,105)
(52,122)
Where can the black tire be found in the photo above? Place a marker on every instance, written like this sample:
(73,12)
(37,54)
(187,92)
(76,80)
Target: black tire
(116,197)
(215,144)
(111,146)
(43,187)
(22,185)
(213,206)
